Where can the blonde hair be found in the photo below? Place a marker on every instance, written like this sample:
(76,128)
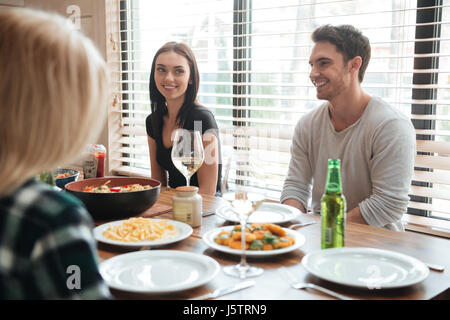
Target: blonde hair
(53,94)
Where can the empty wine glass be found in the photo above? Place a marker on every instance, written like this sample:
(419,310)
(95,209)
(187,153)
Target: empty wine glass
(244,196)
(187,152)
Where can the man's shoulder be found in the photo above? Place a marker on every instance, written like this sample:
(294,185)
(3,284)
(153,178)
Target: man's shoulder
(312,117)
(383,111)
(382,115)
(315,114)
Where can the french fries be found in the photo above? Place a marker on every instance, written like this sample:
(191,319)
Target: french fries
(141,229)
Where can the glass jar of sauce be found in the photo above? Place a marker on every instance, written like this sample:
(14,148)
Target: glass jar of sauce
(187,206)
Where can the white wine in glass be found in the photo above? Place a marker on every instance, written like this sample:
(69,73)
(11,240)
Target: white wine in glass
(243,203)
(187,165)
(244,197)
(187,152)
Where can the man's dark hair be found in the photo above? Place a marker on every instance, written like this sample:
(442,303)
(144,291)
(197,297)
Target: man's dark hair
(348,40)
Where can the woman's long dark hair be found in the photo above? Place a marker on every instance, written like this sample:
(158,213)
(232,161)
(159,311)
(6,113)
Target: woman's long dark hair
(157,100)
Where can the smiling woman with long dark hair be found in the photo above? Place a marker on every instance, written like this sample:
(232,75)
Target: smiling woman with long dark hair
(174,83)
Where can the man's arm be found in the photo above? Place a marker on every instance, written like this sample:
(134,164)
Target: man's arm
(295,203)
(392,167)
(355,215)
(297,185)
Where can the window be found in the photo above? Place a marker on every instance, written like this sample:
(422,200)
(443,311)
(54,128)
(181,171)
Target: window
(253,59)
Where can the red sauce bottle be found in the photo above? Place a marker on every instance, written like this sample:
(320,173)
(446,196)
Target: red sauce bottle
(100,156)
(94,161)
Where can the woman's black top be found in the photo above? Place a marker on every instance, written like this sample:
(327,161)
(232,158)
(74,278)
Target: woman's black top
(199,119)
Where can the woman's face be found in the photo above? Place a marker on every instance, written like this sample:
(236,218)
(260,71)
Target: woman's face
(172,74)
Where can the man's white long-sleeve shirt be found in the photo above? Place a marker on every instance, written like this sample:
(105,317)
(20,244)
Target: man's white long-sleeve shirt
(377,161)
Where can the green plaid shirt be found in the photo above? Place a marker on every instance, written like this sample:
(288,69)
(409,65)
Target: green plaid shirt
(47,248)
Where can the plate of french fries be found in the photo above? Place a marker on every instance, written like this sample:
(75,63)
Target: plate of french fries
(139,232)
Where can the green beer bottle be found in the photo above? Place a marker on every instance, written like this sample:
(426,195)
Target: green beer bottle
(333,208)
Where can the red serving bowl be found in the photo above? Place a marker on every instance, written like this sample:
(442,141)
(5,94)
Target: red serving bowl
(115,205)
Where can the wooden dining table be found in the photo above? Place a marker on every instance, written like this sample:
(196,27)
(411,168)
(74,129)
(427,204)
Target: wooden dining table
(274,284)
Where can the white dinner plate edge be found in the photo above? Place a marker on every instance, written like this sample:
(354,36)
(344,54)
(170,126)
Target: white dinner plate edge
(310,256)
(295,213)
(212,265)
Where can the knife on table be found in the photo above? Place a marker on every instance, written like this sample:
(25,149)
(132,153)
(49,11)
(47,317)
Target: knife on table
(226,290)
(208,213)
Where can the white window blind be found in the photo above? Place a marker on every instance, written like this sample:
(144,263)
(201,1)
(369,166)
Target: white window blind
(254,76)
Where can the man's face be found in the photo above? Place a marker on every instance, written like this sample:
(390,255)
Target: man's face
(329,74)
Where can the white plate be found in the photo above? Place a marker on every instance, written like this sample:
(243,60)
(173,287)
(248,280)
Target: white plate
(268,212)
(159,271)
(183,231)
(208,238)
(367,268)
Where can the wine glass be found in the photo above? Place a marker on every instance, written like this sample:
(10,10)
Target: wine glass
(187,152)
(244,196)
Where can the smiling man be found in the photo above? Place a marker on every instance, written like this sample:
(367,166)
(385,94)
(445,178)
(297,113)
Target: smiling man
(375,142)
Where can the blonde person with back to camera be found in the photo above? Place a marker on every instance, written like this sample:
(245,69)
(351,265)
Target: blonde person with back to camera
(53,86)
(375,141)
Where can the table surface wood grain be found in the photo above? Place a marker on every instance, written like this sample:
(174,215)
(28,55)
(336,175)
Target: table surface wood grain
(273,284)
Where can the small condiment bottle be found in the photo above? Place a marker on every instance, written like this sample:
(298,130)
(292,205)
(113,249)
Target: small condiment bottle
(187,206)
(94,161)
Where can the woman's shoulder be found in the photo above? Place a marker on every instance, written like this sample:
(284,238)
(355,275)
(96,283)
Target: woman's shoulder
(200,115)
(149,119)
(150,122)
(201,111)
